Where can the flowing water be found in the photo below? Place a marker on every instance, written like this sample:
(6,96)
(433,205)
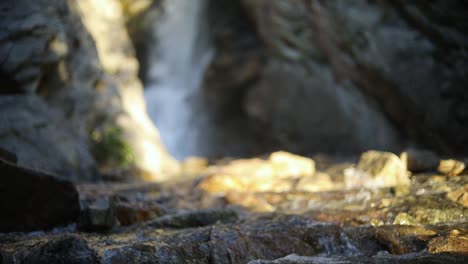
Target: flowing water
(178,62)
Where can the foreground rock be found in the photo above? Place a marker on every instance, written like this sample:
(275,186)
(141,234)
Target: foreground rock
(33,200)
(381,257)
(178,222)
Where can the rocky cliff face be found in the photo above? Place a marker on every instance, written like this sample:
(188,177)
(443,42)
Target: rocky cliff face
(67,73)
(350,75)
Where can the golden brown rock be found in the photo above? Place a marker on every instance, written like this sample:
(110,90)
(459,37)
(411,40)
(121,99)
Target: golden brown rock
(449,244)
(277,174)
(451,167)
(377,169)
(459,195)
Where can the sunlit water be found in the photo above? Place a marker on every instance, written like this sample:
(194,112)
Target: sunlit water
(180,58)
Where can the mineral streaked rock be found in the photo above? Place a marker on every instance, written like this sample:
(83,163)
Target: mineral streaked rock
(33,200)
(449,244)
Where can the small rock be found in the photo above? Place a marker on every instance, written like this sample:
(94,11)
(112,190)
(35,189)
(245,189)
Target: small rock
(276,174)
(33,200)
(97,215)
(405,219)
(459,195)
(286,164)
(195,219)
(400,239)
(420,160)
(451,167)
(449,244)
(317,183)
(377,169)
(130,213)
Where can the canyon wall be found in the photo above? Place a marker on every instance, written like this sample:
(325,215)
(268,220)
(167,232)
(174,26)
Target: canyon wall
(70,97)
(344,76)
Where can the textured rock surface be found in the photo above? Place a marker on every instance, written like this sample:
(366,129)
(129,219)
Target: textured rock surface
(32,200)
(378,258)
(189,225)
(348,75)
(71,83)
(42,138)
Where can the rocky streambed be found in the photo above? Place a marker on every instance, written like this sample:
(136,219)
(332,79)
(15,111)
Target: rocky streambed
(278,209)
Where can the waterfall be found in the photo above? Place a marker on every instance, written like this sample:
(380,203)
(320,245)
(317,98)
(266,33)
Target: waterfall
(179,59)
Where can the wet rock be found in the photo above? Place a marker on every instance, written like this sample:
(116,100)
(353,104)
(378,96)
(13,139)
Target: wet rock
(459,195)
(403,239)
(97,215)
(449,244)
(33,200)
(433,209)
(195,219)
(381,257)
(377,169)
(451,167)
(63,249)
(420,160)
(129,213)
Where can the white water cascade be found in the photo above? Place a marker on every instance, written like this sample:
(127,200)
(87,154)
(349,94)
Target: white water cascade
(178,62)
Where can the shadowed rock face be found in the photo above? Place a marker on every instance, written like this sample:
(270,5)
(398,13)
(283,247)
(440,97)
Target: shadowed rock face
(69,82)
(32,200)
(347,76)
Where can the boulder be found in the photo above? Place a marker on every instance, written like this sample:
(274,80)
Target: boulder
(41,138)
(377,169)
(33,200)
